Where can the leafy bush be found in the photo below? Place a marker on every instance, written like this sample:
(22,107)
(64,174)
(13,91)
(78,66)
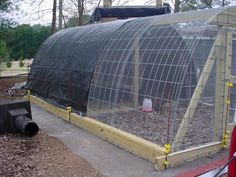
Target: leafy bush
(21,64)
(9,64)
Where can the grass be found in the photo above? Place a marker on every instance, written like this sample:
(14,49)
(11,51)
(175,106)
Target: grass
(15,68)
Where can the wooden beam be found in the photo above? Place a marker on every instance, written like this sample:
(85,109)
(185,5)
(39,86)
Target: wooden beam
(233,79)
(230,127)
(228,65)
(220,86)
(177,158)
(225,18)
(223,75)
(49,107)
(229,47)
(129,142)
(196,95)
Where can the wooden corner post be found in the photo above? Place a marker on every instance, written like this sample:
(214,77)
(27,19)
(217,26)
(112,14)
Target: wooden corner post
(223,76)
(220,97)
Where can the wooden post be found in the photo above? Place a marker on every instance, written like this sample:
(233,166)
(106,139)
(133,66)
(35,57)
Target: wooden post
(223,70)
(229,46)
(228,65)
(197,94)
(233,79)
(220,98)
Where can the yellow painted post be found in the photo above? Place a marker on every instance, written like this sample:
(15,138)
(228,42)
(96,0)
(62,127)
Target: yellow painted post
(68,110)
(224,140)
(28,94)
(167,151)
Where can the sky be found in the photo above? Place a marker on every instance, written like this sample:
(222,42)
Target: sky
(40,11)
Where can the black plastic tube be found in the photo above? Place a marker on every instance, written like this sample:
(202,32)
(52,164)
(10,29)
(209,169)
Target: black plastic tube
(26,126)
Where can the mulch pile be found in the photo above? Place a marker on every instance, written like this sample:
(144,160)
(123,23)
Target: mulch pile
(39,156)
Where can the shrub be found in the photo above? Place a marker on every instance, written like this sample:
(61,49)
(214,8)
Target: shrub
(9,64)
(21,64)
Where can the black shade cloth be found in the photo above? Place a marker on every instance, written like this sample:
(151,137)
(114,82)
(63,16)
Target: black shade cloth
(63,67)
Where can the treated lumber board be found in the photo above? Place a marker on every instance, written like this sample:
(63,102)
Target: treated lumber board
(180,157)
(131,143)
(95,123)
(230,127)
(144,151)
(50,108)
(223,75)
(228,66)
(221,89)
(225,18)
(233,79)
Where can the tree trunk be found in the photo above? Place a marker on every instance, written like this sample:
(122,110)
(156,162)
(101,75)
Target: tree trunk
(60,14)
(80,11)
(177,3)
(223,3)
(54,16)
(0,67)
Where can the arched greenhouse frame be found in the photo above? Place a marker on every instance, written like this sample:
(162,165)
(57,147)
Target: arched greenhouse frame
(182,62)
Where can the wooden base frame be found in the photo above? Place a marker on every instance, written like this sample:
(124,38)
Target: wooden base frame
(138,146)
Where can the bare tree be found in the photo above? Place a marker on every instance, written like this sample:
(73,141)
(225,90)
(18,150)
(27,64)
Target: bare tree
(80,8)
(121,2)
(60,13)
(54,13)
(79,4)
(177,6)
(148,2)
(77,9)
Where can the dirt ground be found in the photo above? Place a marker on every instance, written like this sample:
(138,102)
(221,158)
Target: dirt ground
(39,156)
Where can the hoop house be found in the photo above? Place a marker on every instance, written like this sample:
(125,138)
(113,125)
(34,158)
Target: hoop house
(181,62)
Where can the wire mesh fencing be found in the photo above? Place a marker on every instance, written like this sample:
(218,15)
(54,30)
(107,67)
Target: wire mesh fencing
(149,58)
